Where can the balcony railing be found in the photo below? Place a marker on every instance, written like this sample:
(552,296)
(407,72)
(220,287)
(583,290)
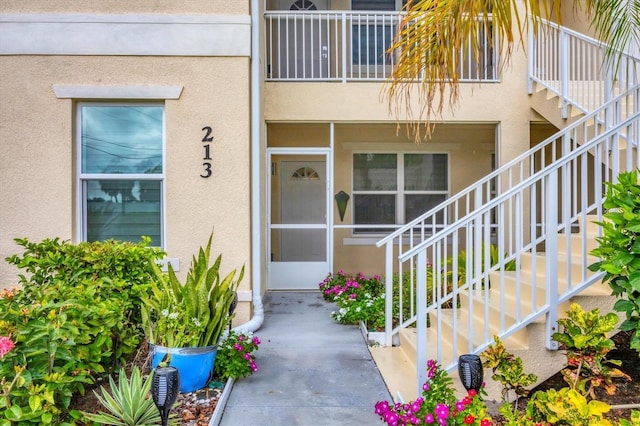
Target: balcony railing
(349,46)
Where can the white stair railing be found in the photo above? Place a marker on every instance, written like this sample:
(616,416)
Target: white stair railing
(528,206)
(574,67)
(436,220)
(467,300)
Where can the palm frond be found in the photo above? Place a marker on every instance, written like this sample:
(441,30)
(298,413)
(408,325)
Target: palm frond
(428,46)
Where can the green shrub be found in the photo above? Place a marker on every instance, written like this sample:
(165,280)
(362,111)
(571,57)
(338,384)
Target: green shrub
(76,318)
(566,407)
(585,337)
(619,249)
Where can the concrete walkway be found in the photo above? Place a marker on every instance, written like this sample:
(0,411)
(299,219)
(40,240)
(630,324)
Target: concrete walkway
(312,371)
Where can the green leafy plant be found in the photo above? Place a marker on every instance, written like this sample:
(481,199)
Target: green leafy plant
(235,358)
(584,336)
(619,249)
(74,319)
(438,404)
(509,372)
(361,298)
(128,403)
(194,313)
(566,407)
(634,421)
(494,258)
(358,299)
(102,281)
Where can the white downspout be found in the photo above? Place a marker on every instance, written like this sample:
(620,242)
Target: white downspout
(256,223)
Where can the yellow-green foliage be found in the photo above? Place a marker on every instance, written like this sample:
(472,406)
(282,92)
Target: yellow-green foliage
(567,407)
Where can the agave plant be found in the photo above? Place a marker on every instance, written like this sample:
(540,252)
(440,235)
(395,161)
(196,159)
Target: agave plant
(194,313)
(128,403)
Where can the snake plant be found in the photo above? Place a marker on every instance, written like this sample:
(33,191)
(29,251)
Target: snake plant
(194,313)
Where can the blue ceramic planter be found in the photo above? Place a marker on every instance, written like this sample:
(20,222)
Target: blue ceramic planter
(194,364)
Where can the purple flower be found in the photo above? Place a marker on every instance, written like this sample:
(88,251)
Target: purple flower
(428,418)
(426,387)
(256,340)
(247,357)
(237,347)
(460,405)
(391,418)
(381,407)
(442,411)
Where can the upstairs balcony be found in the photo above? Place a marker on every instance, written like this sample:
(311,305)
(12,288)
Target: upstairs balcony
(351,46)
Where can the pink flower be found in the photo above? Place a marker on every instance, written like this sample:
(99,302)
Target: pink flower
(6,344)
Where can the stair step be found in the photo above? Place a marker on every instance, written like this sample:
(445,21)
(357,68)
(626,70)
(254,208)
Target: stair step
(575,242)
(398,373)
(527,280)
(592,228)
(476,333)
(572,263)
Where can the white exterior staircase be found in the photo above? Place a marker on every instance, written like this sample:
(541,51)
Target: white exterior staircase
(541,220)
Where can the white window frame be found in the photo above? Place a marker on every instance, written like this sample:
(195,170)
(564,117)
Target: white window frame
(81,199)
(400,192)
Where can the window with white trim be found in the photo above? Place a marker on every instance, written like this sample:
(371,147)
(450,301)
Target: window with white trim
(395,188)
(121,171)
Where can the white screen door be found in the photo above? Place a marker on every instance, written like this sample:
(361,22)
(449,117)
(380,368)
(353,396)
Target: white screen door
(299,259)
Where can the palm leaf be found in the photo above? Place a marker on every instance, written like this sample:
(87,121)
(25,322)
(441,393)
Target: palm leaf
(428,44)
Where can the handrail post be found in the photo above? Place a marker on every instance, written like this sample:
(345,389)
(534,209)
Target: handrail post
(564,72)
(388,289)
(344,47)
(530,61)
(551,229)
(421,321)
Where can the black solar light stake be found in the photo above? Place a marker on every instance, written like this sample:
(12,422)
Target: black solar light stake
(470,371)
(165,388)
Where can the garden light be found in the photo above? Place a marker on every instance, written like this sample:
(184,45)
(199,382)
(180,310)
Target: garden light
(165,388)
(470,371)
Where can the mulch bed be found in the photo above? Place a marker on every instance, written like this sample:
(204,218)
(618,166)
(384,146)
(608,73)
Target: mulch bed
(193,409)
(196,408)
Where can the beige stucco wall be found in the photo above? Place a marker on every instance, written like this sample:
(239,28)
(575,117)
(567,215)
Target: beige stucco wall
(38,148)
(469,147)
(492,117)
(201,46)
(128,6)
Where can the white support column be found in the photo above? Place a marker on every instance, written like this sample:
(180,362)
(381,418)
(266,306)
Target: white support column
(421,321)
(551,229)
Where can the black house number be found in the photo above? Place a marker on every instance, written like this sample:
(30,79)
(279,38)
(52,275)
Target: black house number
(206,145)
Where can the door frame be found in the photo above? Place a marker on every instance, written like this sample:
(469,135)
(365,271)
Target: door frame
(298,152)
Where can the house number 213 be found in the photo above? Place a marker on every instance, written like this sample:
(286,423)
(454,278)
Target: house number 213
(206,145)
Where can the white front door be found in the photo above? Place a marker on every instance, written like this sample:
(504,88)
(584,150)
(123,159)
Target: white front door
(298,231)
